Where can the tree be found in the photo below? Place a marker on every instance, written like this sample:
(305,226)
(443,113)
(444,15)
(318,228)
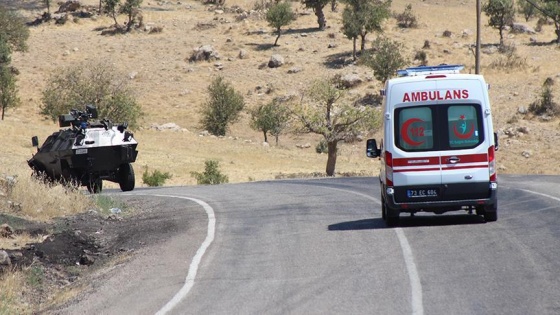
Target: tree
(280,14)
(270,118)
(130,8)
(222,108)
(318,6)
(13,36)
(13,29)
(526,9)
(324,111)
(110,6)
(501,13)
(361,17)
(95,83)
(8,88)
(386,60)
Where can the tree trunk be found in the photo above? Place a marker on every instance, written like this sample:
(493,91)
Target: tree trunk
(277,37)
(354,49)
(265,138)
(321,20)
(557,36)
(331,160)
(363,44)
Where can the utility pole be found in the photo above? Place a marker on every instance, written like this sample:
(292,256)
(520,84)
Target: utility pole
(477,49)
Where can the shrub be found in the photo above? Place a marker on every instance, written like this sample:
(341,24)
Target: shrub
(156,178)
(96,83)
(322,147)
(386,59)
(222,108)
(545,105)
(407,19)
(211,175)
(422,57)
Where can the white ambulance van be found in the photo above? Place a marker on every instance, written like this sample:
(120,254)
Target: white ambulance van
(438,148)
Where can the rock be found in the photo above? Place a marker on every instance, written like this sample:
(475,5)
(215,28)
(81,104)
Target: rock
(6,231)
(5,260)
(87,260)
(205,52)
(69,6)
(242,54)
(522,28)
(275,61)
(294,70)
(351,80)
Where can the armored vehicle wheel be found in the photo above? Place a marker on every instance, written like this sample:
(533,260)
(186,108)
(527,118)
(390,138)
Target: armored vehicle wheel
(126,177)
(95,186)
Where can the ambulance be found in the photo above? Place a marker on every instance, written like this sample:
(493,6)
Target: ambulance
(438,148)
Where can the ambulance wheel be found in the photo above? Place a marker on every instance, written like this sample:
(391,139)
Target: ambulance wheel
(392,221)
(383,209)
(126,177)
(491,213)
(95,186)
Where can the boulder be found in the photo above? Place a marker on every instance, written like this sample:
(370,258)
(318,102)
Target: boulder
(275,61)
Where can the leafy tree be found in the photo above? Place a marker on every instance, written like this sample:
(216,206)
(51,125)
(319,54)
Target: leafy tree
(13,29)
(324,111)
(98,84)
(8,88)
(526,9)
(222,108)
(156,178)
(318,6)
(501,13)
(211,175)
(270,118)
(280,14)
(110,6)
(130,8)
(386,60)
(361,17)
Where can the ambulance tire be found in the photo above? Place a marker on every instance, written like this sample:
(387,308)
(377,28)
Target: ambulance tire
(391,216)
(383,209)
(491,213)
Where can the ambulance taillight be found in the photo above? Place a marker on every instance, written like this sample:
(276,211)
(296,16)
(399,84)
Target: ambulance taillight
(492,164)
(389,168)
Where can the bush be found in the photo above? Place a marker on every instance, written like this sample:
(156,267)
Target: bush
(98,84)
(546,104)
(422,57)
(386,58)
(222,108)
(322,147)
(407,19)
(211,175)
(156,178)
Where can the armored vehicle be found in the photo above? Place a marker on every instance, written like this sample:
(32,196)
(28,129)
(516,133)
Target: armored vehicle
(87,152)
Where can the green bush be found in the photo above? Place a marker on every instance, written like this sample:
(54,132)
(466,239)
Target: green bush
(322,147)
(407,19)
(545,105)
(156,178)
(222,108)
(211,175)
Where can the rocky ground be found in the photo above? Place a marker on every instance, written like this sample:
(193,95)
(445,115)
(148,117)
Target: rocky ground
(77,246)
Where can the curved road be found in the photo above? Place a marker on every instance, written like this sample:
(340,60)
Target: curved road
(320,247)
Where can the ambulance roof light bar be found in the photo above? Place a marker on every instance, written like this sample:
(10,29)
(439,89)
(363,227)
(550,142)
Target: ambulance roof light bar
(425,70)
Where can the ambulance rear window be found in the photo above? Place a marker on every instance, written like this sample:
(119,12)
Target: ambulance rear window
(438,127)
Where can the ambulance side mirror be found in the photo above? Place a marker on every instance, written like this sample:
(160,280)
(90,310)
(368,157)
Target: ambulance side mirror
(371,149)
(496,143)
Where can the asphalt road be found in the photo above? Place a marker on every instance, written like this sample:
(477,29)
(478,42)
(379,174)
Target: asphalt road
(320,247)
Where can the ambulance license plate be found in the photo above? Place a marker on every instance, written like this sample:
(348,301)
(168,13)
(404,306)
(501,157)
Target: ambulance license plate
(422,193)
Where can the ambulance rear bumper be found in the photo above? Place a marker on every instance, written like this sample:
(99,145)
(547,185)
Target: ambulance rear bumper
(470,199)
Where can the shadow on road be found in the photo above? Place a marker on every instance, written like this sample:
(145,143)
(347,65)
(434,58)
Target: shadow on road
(407,221)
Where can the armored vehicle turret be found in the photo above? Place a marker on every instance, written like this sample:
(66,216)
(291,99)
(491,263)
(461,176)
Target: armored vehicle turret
(87,152)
